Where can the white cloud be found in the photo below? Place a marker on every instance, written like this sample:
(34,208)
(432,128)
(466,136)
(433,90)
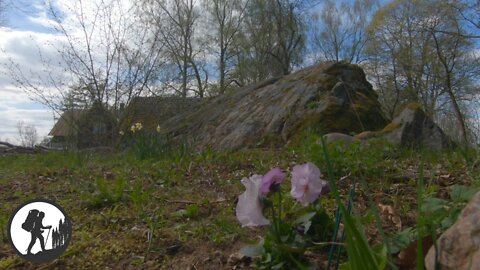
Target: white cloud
(15,106)
(41,119)
(31,46)
(21,47)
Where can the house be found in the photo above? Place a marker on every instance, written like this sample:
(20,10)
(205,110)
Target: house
(98,126)
(65,130)
(83,128)
(152,111)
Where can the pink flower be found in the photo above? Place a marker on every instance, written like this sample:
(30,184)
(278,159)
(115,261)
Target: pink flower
(274,177)
(306,183)
(249,207)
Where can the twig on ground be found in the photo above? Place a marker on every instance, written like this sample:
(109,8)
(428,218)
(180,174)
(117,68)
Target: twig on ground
(190,202)
(48,265)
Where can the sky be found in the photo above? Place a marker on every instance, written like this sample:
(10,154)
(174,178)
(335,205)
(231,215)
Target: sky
(22,34)
(26,31)
(29,45)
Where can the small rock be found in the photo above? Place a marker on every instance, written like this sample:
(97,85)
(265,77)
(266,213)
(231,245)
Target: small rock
(236,258)
(340,137)
(412,128)
(109,175)
(173,249)
(459,246)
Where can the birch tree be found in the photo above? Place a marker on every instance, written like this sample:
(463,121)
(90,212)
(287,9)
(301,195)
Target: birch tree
(226,18)
(452,52)
(339,30)
(102,51)
(27,134)
(272,40)
(177,22)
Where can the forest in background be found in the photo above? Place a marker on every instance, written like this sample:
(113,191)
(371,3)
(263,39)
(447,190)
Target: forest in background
(412,51)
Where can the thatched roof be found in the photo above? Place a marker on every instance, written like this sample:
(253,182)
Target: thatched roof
(152,111)
(66,126)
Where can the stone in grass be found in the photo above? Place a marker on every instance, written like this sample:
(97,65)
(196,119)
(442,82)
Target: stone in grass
(340,137)
(413,129)
(459,246)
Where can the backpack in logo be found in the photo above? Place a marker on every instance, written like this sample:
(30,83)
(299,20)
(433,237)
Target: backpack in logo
(28,224)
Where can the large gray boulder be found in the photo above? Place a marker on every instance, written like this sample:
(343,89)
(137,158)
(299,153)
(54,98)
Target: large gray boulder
(412,128)
(459,246)
(329,97)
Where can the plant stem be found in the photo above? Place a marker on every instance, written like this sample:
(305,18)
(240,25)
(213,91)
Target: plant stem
(275,225)
(420,183)
(279,210)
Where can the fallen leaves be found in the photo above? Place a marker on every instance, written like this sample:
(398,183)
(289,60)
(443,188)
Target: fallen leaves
(388,214)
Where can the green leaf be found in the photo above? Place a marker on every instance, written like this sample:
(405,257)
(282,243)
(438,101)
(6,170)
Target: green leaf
(461,193)
(360,254)
(192,210)
(381,255)
(432,205)
(305,220)
(401,240)
(450,219)
(253,251)
(278,266)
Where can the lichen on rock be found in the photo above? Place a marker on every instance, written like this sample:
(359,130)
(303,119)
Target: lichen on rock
(459,247)
(412,128)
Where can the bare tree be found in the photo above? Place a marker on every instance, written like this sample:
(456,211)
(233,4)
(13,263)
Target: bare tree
(27,134)
(339,30)
(176,22)
(226,18)
(415,58)
(403,60)
(272,40)
(289,34)
(451,51)
(469,16)
(107,55)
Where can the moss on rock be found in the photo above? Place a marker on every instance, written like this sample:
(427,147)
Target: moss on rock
(328,97)
(411,128)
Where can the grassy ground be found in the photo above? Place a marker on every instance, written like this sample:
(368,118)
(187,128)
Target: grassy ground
(176,211)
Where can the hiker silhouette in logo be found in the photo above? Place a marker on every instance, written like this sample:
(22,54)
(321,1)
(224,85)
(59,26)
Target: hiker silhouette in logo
(34,225)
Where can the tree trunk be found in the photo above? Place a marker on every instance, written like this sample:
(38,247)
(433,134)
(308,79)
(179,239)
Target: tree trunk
(456,108)
(222,64)
(448,82)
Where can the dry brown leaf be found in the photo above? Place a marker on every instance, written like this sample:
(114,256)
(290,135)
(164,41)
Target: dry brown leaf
(388,214)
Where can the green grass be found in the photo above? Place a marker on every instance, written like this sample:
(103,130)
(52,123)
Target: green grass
(176,209)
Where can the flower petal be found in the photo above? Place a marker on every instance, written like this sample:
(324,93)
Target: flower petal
(249,208)
(306,183)
(274,177)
